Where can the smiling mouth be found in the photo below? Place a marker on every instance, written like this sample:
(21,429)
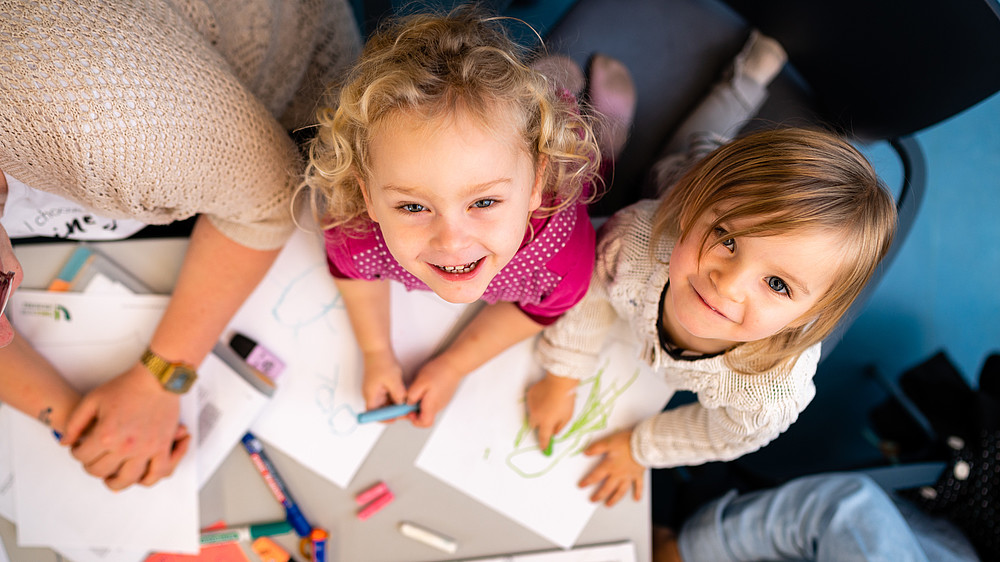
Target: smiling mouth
(458,269)
(713,309)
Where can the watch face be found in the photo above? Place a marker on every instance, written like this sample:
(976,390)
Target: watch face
(180,380)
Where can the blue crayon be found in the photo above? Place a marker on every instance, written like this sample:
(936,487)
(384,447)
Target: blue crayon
(387,412)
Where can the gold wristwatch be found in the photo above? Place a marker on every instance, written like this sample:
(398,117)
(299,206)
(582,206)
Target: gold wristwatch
(175,377)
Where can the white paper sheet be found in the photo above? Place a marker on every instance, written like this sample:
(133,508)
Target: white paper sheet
(297,314)
(615,552)
(59,505)
(89,339)
(481,445)
(227,406)
(102,554)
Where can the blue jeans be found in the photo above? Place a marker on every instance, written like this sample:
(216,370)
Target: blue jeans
(829,517)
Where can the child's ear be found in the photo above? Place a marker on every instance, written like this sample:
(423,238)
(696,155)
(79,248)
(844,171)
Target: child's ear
(539,188)
(364,193)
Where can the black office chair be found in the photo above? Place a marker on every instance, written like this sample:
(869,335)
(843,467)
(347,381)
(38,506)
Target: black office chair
(876,70)
(873,70)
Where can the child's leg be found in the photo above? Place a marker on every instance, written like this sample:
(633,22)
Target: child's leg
(733,100)
(824,517)
(737,96)
(612,96)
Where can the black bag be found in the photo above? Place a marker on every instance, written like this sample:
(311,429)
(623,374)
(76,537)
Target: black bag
(965,431)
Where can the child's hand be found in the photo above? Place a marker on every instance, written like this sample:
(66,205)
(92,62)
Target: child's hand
(550,404)
(383,381)
(433,387)
(618,470)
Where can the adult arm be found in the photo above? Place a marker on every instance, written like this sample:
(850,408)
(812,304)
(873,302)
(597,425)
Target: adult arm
(126,430)
(28,382)
(495,328)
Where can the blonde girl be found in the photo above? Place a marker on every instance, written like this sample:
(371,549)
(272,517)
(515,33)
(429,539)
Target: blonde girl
(729,283)
(450,165)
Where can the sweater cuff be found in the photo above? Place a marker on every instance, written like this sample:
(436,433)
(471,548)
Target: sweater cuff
(260,236)
(563,362)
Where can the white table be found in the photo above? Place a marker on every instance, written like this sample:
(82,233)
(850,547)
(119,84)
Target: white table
(237,493)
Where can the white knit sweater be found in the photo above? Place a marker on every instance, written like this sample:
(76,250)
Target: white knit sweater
(158,110)
(735,413)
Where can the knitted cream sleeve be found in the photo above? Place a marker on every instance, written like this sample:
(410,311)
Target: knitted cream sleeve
(569,347)
(124,107)
(740,415)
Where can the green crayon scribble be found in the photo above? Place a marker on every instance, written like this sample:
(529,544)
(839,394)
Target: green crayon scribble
(593,416)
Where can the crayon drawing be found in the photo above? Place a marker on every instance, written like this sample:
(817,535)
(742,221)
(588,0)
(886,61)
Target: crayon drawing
(592,416)
(297,313)
(341,418)
(481,446)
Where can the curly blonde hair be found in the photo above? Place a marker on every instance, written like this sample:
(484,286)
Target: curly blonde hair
(433,65)
(780,181)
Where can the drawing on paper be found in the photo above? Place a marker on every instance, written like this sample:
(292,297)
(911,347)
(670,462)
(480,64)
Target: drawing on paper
(294,312)
(527,461)
(341,418)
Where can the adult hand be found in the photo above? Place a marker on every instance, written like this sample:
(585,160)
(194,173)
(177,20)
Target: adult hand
(383,381)
(433,388)
(550,404)
(617,471)
(126,430)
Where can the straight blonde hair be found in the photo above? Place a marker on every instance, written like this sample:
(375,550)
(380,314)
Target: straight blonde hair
(781,181)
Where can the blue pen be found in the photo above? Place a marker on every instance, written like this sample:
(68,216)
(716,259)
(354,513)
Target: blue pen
(387,412)
(274,482)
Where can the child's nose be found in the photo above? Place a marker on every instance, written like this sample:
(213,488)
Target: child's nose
(450,234)
(731,282)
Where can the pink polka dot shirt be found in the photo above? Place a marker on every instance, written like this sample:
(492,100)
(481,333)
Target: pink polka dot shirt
(545,278)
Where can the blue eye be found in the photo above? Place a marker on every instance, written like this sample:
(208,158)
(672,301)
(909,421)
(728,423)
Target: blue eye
(484,203)
(413,207)
(729,243)
(777,285)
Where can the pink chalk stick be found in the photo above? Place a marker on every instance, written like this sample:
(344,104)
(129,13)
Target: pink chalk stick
(376,505)
(371,493)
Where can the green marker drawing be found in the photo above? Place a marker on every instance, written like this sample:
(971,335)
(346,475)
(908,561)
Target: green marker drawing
(593,416)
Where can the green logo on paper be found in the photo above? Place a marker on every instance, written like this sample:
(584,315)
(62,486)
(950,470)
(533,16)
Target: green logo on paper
(55,311)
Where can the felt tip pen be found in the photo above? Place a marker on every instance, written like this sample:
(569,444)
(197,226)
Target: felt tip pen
(387,412)
(245,532)
(277,486)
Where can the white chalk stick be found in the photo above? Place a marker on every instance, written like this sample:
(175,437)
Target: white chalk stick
(428,537)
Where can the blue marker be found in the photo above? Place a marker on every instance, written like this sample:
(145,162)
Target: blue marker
(277,486)
(387,412)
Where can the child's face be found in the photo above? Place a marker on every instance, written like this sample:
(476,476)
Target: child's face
(452,200)
(747,288)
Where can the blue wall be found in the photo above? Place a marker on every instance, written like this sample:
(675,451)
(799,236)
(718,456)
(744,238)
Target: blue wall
(943,290)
